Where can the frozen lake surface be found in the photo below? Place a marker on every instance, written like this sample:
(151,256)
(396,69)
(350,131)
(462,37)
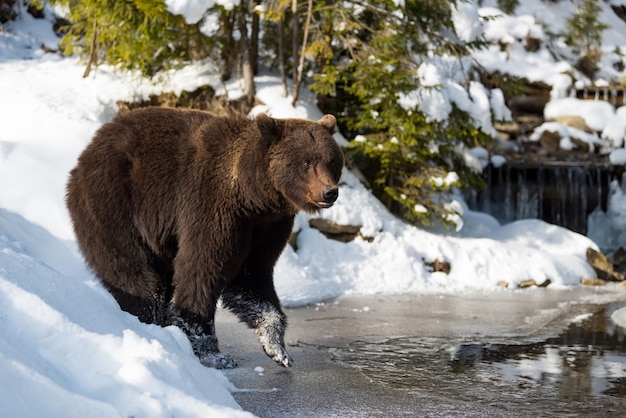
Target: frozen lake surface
(532,353)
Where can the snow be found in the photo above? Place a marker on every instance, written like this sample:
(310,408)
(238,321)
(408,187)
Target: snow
(566,133)
(466,21)
(87,357)
(618,156)
(615,129)
(104,362)
(595,113)
(194,11)
(619,317)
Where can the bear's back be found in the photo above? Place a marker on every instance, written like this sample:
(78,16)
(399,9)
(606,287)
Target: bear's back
(151,129)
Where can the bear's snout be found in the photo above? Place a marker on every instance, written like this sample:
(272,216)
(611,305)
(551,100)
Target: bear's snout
(329,195)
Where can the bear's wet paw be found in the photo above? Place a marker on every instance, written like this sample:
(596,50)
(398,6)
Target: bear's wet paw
(273,344)
(218,361)
(279,355)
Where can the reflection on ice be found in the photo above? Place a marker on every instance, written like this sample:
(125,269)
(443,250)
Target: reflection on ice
(574,372)
(584,364)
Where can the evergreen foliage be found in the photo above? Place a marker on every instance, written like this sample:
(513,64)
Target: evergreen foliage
(585,35)
(378,49)
(132,34)
(508,6)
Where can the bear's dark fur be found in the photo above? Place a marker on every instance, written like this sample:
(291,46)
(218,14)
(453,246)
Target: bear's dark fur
(174,208)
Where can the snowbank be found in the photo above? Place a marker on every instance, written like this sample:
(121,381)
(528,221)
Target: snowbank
(65,342)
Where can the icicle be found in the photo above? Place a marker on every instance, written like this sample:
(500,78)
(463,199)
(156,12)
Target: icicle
(541,190)
(508,199)
(557,207)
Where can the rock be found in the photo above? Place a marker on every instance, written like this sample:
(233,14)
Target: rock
(619,257)
(293,240)
(527,283)
(603,266)
(440,266)
(581,146)
(599,261)
(620,11)
(528,123)
(332,230)
(532,44)
(511,128)
(576,122)
(522,105)
(592,282)
(550,141)
(503,284)
(546,283)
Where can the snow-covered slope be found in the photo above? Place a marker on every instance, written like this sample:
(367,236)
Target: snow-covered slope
(67,350)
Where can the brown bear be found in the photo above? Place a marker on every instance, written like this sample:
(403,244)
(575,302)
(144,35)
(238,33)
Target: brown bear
(173,209)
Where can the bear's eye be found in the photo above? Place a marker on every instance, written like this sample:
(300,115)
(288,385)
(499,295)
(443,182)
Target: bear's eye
(307,163)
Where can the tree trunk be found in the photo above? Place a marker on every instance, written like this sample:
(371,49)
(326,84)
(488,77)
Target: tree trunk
(294,39)
(246,62)
(298,80)
(281,57)
(254,39)
(228,54)
(93,48)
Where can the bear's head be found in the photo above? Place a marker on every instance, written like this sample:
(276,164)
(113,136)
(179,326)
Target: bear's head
(305,162)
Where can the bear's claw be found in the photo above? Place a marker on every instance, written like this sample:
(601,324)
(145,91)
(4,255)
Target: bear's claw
(278,354)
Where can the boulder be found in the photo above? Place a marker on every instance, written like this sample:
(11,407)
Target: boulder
(592,282)
(527,283)
(550,141)
(439,266)
(546,283)
(603,266)
(333,230)
(619,257)
(532,282)
(576,122)
(581,146)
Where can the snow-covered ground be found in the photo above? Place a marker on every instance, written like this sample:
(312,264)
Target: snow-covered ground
(64,340)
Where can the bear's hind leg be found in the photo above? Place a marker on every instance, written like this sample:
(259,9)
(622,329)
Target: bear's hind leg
(205,346)
(134,280)
(202,336)
(100,204)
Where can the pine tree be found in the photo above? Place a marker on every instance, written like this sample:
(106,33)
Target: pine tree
(585,35)
(377,50)
(133,34)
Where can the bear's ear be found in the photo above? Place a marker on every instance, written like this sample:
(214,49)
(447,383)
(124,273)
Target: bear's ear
(269,128)
(329,123)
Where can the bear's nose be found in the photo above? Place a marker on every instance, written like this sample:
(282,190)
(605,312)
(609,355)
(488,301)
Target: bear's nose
(330,194)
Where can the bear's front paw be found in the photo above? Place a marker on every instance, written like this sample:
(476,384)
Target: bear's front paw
(278,354)
(218,361)
(273,344)
(271,331)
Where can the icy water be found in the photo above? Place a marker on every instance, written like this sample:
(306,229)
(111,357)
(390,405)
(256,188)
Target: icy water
(583,366)
(505,354)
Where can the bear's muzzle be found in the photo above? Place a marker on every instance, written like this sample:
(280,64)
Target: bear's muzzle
(329,196)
